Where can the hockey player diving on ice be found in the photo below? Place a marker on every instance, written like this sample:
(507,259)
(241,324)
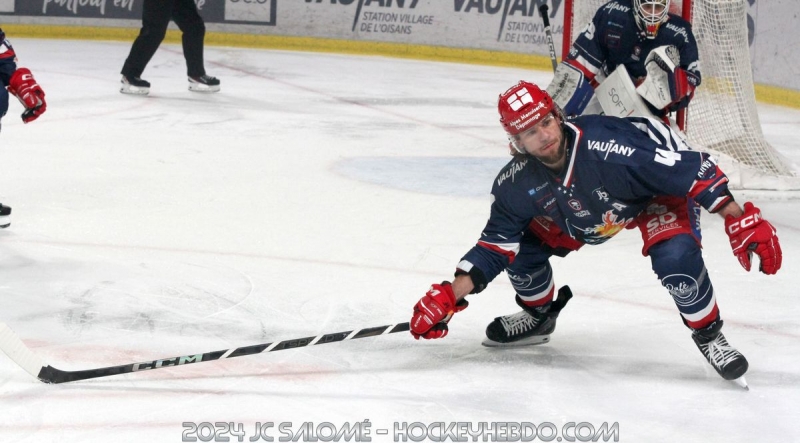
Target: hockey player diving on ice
(581,181)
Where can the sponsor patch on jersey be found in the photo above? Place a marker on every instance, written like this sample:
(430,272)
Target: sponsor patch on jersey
(601,194)
(611,226)
(549,203)
(511,172)
(616,7)
(613,39)
(575,205)
(610,147)
(707,170)
(538,188)
(637,53)
(678,30)
(583,213)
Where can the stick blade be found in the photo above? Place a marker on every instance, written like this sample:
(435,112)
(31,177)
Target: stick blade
(13,347)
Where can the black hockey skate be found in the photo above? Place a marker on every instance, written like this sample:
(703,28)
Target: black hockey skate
(134,85)
(204,83)
(726,360)
(5,216)
(531,326)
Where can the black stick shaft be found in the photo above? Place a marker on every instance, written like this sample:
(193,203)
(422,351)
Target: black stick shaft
(549,34)
(49,374)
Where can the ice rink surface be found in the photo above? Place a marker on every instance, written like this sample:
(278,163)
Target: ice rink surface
(321,193)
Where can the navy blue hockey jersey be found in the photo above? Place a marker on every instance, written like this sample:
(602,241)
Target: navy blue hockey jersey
(613,38)
(7,59)
(614,167)
(7,67)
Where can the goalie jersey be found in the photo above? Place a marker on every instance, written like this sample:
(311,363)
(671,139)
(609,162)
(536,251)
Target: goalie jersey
(613,38)
(614,167)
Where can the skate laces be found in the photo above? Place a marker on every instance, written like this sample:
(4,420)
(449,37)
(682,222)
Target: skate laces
(719,352)
(518,323)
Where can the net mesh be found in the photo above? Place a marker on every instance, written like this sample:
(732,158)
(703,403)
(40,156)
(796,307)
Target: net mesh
(722,116)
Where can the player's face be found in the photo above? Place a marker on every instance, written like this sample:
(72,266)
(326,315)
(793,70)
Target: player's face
(545,141)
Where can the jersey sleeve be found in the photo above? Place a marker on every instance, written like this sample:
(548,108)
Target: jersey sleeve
(587,54)
(690,58)
(499,242)
(8,59)
(665,165)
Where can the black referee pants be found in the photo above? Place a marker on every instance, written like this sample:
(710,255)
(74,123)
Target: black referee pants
(155,19)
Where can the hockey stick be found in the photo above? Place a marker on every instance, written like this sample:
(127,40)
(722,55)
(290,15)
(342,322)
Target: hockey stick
(546,20)
(24,357)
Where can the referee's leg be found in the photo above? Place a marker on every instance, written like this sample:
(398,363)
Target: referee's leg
(185,15)
(155,18)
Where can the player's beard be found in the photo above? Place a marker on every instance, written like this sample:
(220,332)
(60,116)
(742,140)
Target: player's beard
(552,159)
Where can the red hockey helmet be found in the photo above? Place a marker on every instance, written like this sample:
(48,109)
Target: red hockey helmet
(522,106)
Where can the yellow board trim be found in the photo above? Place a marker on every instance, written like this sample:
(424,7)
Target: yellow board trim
(764,93)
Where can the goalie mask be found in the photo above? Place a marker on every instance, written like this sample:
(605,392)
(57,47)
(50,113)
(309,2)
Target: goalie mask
(521,107)
(650,14)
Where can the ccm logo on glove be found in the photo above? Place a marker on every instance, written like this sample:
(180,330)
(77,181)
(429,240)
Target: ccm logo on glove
(750,233)
(744,223)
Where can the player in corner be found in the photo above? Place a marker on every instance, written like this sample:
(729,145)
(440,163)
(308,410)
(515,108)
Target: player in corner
(581,181)
(20,83)
(646,54)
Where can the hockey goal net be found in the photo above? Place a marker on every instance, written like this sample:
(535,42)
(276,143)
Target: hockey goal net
(722,117)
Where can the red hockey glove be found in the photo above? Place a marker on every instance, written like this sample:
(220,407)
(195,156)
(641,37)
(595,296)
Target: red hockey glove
(434,310)
(751,232)
(29,93)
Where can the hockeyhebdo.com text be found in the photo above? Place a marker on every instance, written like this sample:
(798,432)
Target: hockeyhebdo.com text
(365,431)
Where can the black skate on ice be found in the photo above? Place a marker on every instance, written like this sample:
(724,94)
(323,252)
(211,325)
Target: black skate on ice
(531,326)
(204,83)
(726,360)
(134,85)
(5,216)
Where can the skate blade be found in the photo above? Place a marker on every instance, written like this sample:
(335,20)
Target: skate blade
(134,90)
(199,87)
(531,341)
(742,383)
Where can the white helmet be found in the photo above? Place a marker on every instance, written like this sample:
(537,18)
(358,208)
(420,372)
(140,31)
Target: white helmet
(650,14)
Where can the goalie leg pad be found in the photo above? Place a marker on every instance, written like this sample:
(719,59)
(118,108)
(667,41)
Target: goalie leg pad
(617,95)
